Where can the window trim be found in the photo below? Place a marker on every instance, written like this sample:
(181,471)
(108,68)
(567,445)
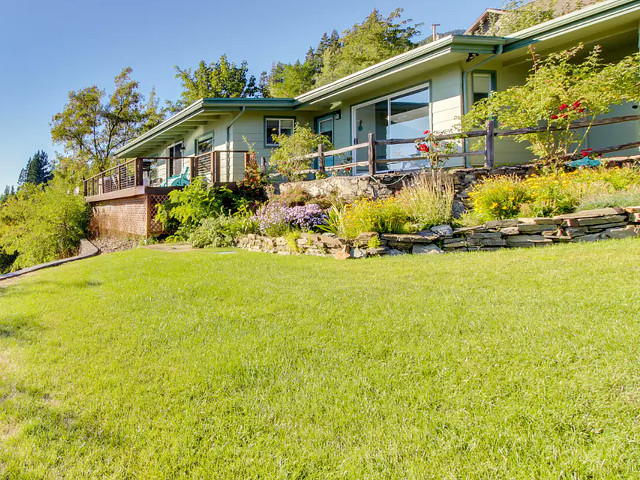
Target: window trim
(204,136)
(279,118)
(493,82)
(416,88)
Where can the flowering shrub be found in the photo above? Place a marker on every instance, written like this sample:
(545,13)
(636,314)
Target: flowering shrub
(252,186)
(276,219)
(434,150)
(559,91)
(367,215)
(547,195)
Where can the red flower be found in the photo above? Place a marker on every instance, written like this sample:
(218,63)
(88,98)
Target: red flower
(564,106)
(564,116)
(554,117)
(581,110)
(578,104)
(586,152)
(426,132)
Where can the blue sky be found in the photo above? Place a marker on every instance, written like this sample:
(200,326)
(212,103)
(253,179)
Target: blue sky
(49,48)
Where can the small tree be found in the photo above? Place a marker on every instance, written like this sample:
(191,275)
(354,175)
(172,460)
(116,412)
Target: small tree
(289,158)
(559,91)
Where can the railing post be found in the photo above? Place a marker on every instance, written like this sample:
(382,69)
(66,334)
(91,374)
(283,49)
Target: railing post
(138,172)
(166,167)
(321,157)
(247,159)
(490,145)
(372,153)
(192,165)
(263,165)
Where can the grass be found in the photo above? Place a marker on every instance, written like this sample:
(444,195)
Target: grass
(147,364)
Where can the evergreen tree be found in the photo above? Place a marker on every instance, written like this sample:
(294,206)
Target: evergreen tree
(38,170)
(374,40)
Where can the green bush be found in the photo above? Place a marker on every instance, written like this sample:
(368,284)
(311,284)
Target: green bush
(289,157)
(367,215)
(620,198)
(186,208)
(499,197)
(42,224)
(550,194)
(221,231)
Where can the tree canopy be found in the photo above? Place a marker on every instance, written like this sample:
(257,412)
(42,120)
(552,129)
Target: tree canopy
(38,170)
(93,125)
(221,79)
(373,40)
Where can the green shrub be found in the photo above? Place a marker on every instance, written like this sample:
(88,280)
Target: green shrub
(499,197)
(620,198)
(42,224)
(186,208)
(428,199)
(367,215)
(221,231)
(548,195)
(289,158)
(292,241)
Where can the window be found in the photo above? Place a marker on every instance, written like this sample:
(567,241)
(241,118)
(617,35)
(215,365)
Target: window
(204,145)
(277,126)
(483,84)
(402,115)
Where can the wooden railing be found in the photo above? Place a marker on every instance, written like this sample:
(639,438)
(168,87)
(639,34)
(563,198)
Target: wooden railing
(157,172)
(489,153)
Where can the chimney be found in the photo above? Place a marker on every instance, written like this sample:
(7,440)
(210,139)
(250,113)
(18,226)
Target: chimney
(434,28)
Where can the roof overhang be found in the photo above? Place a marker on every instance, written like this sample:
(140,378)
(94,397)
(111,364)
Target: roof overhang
(194,116)
(435,53)
(598,17)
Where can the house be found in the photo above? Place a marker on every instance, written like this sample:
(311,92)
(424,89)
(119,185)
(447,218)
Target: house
(427,88)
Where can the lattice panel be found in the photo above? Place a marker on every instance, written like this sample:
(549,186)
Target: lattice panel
(154,201)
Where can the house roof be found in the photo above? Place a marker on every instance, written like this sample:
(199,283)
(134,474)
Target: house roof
(443,50)
(482,19)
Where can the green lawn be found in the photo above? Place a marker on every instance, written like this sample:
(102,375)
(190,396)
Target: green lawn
(146,364)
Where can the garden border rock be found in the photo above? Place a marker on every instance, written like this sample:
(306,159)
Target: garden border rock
(586,226)
(87,250)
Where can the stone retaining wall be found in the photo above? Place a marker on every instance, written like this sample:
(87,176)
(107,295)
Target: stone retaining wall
(587,226)
(385,185)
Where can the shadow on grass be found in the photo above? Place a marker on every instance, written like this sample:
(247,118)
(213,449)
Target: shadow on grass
(16,326)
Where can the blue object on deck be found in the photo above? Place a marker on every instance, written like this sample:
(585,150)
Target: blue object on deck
(585,162)
(181,180)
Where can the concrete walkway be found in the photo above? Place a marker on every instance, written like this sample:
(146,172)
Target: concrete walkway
(87,249)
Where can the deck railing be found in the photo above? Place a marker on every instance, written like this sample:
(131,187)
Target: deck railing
(490,134)
(165,171)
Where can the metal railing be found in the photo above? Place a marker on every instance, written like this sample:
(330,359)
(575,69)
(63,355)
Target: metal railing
(165,172)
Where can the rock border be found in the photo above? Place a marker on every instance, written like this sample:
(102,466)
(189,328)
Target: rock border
(586,226)
(87,249)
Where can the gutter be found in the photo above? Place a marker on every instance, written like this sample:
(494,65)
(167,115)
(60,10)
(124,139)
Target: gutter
(465,82)
(229,125)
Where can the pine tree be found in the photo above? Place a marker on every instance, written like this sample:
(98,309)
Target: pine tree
(37,171)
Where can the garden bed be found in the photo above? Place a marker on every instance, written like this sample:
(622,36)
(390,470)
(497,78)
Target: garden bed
(585,226)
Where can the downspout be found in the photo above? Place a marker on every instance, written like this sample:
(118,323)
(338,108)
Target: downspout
(465,77)
(229,125)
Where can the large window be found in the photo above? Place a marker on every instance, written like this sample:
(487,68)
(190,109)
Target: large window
(277,126)
(402,115)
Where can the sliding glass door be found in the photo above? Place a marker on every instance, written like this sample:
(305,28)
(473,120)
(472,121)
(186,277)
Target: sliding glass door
(402,115)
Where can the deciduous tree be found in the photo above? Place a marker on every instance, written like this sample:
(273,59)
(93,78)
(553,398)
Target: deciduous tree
(93,125)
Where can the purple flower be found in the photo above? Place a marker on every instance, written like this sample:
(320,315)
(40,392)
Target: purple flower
(278,215)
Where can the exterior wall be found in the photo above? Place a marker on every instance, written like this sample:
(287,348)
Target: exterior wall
(123,216)
(252,126)
(129,216)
